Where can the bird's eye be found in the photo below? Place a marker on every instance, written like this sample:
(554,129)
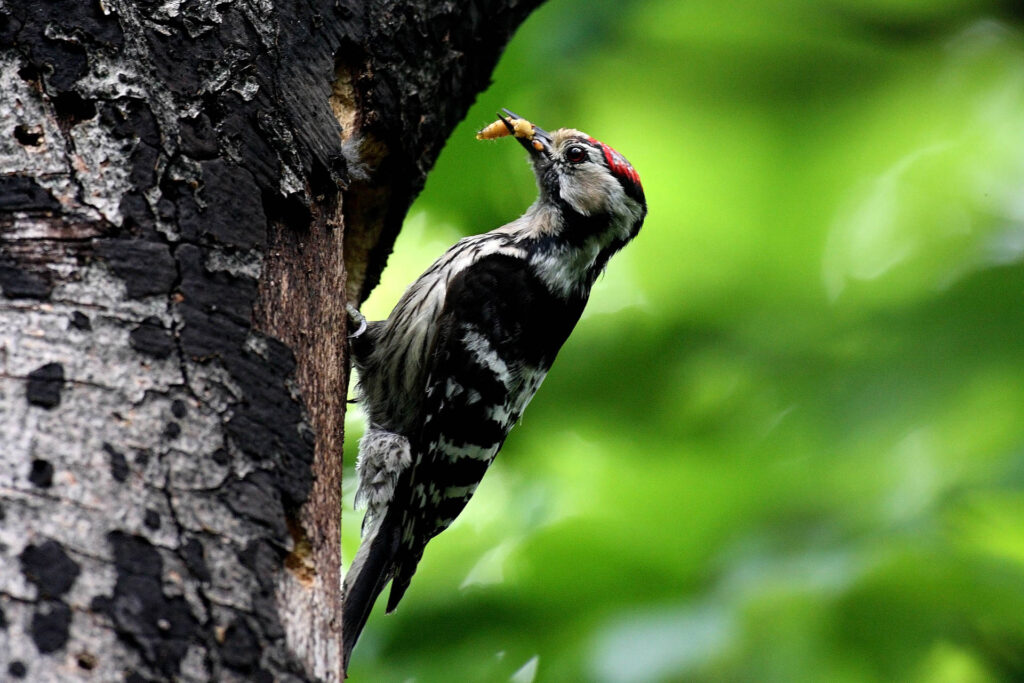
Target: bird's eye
(576,154)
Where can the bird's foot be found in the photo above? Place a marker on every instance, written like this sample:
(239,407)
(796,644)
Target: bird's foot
(358,319)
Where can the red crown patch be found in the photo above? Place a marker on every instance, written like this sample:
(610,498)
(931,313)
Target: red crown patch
(618,164)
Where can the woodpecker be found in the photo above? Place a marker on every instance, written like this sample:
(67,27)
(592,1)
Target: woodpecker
(446,375)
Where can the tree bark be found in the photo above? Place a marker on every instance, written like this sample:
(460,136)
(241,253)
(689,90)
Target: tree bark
(189,193)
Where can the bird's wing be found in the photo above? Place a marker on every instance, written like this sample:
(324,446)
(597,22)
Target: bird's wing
(475,388)
(498,333)
(474,373)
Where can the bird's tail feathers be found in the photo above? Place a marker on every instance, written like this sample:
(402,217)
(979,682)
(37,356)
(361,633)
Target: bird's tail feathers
(402,579)
(372,568)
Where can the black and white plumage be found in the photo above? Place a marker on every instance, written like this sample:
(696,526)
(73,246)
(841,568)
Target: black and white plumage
(445,377)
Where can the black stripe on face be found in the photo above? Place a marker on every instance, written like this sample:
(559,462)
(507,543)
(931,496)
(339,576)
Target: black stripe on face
(577,228)
(633,190)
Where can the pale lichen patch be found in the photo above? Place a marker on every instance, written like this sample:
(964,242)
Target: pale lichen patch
(102,166)
(22,106)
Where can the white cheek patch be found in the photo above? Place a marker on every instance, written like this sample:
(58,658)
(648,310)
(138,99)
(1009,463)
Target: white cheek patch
(589,190)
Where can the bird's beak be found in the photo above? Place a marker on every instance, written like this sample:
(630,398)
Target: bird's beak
(535,139)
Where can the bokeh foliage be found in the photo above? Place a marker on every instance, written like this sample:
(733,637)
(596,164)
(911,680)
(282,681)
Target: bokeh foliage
(786,442)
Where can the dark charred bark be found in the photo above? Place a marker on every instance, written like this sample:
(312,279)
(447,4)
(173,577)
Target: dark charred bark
(187,192)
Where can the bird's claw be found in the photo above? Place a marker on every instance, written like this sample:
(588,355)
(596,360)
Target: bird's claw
(358,319)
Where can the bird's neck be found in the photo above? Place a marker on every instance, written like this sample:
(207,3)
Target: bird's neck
(574,249)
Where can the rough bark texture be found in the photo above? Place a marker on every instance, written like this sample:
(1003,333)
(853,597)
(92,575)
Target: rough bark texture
(176,182)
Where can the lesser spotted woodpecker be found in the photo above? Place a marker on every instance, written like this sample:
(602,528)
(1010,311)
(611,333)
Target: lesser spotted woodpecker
(445,377)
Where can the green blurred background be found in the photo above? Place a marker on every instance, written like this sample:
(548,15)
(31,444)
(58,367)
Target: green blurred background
(786,441)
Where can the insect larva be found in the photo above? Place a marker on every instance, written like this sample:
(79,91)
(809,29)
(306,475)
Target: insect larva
(498,129)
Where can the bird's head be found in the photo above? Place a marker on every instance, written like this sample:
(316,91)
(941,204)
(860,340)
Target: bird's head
(573,168)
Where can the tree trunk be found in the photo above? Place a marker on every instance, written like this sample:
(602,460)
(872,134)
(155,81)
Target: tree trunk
(188,193)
